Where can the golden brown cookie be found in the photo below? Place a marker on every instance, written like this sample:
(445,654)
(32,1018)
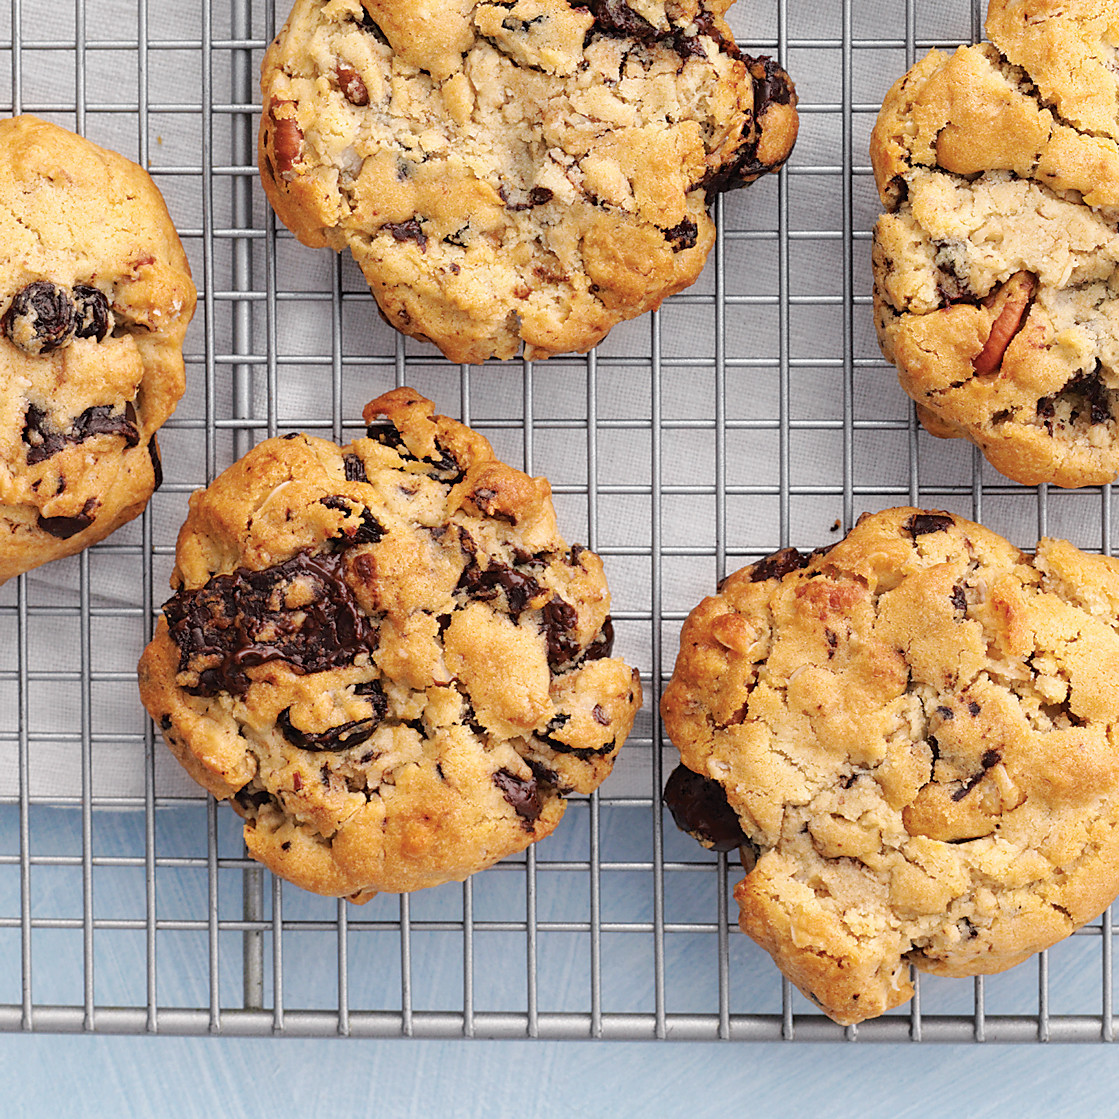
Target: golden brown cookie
(522,174)
(912,737)
(996,263)
(95,298)
(386,656)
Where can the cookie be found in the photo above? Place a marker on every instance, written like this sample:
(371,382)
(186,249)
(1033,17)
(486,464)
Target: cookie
(914,733)
(515,175)
(385,656)
(996,265)
(95,298)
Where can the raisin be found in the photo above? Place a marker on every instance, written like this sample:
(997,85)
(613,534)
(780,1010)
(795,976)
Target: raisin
(40,318)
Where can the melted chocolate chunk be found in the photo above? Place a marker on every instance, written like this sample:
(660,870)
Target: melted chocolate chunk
(40,318)
(252,799)
(337,738)
(238,621)
(64,527)
(603,644)
(369,531)
(1086,394)
(699,806)
(43,440)
(772,86)
(386,434)
(355,469)
(778,565)
(582,753)
(523,795)
(559,622)
(157,462)
(92,317)
(921,524)
(618,19)
(482,585)
(682,236)
(407,231)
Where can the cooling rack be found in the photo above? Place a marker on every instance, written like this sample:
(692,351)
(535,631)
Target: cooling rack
(750,413)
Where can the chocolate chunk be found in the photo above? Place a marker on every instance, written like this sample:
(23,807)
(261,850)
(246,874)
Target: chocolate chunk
(65,527)
(40,318)
(407,231)
(990,759)
(369,531)
(973,708)
(43,440)
(538,196)
(603,644)
(353,88)
(165,722)
(523,795)
(946,713)
(483,586)
(682,236)
(355,469)
(772,86)
(778,565)
(157,462)
(920,524)
(959,599)
(368,23)
(240,620)
(559,621)
(252,799)
(386,434)
(699,806)
(92,316)
(341,737)
(582,753)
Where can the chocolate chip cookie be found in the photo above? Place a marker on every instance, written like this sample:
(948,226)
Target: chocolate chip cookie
(515,174)
(95,298)
(911,738)
(385,656)
(996,263)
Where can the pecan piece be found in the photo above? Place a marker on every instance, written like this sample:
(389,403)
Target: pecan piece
(1012,301)
(287,137)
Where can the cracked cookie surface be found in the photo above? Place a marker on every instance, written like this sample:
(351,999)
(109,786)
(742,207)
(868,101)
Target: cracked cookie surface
(385,656)
(519,174)
(997,264)
(916,731)
(95,298)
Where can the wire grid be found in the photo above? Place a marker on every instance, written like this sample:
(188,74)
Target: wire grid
(750,413)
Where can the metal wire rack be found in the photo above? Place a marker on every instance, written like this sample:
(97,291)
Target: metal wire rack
(750,413)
